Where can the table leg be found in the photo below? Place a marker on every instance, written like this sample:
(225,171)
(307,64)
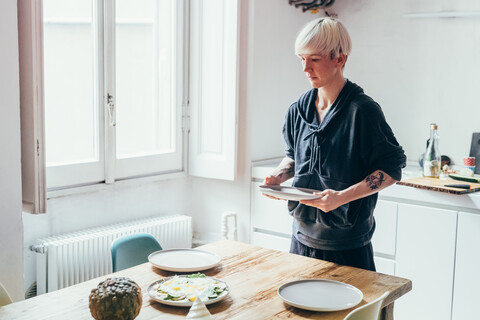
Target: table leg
(387,312)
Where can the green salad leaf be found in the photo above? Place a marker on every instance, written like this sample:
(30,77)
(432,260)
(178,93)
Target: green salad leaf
(195,275)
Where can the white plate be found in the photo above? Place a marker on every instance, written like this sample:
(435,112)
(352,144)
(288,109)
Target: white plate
(183,260)
(152,292)
(320,295)
(289,193)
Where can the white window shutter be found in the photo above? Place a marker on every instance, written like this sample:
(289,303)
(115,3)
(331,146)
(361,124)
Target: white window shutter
(213,88)
(31,105)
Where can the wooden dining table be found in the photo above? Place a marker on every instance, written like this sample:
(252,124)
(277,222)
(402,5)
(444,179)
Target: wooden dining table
(253,274)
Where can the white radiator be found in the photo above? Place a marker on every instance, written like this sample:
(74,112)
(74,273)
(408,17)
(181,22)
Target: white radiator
(71,258)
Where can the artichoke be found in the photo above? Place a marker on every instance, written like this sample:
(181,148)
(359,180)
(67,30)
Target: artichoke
(116,299)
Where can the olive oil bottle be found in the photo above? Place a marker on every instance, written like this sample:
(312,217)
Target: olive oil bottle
(432,157)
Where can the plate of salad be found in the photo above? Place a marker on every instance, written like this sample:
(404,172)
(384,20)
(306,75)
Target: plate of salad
(183,290)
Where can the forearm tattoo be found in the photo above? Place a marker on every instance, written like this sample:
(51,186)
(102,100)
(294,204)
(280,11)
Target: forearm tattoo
(285,169)
(374,181)
(290,169)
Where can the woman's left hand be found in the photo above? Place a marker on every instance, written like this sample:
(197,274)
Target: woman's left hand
(329,200)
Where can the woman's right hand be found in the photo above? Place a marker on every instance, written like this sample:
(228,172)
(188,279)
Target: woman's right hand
(271,181)
(284,171)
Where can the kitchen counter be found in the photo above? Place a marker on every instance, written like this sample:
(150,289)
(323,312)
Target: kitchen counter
(466,202)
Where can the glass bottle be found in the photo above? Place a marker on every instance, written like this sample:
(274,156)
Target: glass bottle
(432,157)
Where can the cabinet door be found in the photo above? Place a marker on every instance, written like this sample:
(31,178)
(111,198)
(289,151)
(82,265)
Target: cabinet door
(384,265)
(271,241)
(425,254)
(269,214)
(466,295)
(384,237)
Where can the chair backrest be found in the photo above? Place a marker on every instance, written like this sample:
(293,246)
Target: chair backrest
(132,250)
(4,297)
(369,311)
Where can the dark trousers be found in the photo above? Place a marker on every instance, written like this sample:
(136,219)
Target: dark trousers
(360,257)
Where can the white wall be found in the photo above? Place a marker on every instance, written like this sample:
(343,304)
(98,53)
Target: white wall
(418,70)
(11,229)
(271,79)
(275,78)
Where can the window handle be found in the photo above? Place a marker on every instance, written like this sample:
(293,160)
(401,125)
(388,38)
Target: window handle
(111,110)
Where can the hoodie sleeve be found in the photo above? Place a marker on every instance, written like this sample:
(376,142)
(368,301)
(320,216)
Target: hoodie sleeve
(288,132)
(380,148)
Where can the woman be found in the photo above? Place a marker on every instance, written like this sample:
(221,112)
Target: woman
(337,142)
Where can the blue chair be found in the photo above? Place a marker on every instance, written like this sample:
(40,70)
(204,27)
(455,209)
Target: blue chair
(132,250)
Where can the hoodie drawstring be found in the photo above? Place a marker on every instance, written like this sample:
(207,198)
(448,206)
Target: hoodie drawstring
(314,137)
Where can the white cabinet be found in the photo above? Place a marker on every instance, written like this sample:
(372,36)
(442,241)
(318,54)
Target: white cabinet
(466,295)
(384,265)
(270,241)
(270,214)
(425,254)
(385,236)
(271,222)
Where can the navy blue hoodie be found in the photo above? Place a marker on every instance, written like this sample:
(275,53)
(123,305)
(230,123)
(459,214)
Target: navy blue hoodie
(351,142)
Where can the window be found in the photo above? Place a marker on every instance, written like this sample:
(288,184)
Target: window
(113,89)
(108,81)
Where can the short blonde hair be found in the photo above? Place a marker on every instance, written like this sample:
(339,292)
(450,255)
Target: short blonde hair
(325,36)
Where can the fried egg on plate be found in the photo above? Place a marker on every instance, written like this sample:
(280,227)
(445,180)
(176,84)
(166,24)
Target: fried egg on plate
(180,288)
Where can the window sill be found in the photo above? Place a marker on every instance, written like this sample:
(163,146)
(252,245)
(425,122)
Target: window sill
(118,184)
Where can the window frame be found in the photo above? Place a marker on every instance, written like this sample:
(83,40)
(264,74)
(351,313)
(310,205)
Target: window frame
(127,168)
(216,165)
(109,168)
(30,44)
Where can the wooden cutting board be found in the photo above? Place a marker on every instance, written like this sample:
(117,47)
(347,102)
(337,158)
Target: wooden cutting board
(439,185)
